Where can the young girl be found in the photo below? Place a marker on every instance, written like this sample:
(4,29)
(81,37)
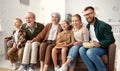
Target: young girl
(64,40)
(19,39)
(81,35)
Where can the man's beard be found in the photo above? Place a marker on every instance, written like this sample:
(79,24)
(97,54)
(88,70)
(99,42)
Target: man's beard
(93,19)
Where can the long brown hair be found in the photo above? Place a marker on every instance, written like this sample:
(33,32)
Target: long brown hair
(77,15)
(18,20)
(69,26)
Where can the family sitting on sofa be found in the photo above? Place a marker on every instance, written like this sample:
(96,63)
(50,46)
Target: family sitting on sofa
(33,41)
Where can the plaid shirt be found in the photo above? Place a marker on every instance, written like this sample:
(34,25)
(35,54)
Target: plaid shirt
(21,38)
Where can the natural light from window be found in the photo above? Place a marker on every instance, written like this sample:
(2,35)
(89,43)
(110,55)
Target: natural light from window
(49,6)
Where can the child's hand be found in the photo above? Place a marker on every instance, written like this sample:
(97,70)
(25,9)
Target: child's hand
(76,43)
(14,45)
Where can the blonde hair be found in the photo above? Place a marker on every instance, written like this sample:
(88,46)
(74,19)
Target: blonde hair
(78,16)
(18,20)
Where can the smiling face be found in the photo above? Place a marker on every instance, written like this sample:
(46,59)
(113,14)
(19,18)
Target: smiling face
(30,17)
(76,21)
(17,23)
(65,25)
(55,19)
(89,15)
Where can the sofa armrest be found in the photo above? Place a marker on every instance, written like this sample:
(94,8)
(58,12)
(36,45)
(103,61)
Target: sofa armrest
(111,57)
(7,44)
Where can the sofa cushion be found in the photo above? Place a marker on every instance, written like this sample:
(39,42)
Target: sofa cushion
(105,58)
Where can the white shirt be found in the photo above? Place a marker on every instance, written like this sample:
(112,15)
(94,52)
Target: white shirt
(81,34)
(92,33)
(31,30)
(16,36)
(53,32)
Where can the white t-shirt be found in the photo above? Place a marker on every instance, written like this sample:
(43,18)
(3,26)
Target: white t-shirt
(53,32)
(92,33)
(15,35)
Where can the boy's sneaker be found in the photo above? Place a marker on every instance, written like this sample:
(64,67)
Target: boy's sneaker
(56,68)
(15,65)
(63,68)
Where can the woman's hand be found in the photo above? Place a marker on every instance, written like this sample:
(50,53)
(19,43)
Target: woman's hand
(77,42)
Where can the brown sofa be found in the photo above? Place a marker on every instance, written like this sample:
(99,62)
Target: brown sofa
(109,59)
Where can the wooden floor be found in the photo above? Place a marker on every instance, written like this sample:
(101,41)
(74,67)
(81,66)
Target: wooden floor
(5,65)
(6,69)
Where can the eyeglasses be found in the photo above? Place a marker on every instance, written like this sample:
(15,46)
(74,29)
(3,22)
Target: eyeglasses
(29,17)
(88,14)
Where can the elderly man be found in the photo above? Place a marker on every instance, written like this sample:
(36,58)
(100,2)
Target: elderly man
(32,29)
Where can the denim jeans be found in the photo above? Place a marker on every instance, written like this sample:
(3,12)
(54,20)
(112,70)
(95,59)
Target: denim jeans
(72,54)
(92,58)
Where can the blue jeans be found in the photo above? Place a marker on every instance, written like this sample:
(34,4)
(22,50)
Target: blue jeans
(72,54)
(92,58)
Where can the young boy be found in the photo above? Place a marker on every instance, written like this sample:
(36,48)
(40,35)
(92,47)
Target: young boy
(19,40)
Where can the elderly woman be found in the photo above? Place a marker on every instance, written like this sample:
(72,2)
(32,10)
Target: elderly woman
(48,37)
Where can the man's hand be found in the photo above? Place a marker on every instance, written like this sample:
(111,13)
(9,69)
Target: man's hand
(34,39)
(97,44)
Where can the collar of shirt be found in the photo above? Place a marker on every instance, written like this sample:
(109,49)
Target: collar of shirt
(31,30)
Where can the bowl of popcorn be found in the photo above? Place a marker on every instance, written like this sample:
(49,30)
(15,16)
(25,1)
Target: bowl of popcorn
(88,44)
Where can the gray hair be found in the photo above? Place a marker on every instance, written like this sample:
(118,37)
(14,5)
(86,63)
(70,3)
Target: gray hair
(31,13)
(56,14)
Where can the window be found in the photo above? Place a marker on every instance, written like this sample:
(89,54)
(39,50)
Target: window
(26,2)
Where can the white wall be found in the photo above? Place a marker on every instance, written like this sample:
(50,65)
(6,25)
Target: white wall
(12,9)
(49,6)
(104,8)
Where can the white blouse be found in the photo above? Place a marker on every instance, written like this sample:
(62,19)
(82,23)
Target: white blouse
(81,34)
(53,32)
